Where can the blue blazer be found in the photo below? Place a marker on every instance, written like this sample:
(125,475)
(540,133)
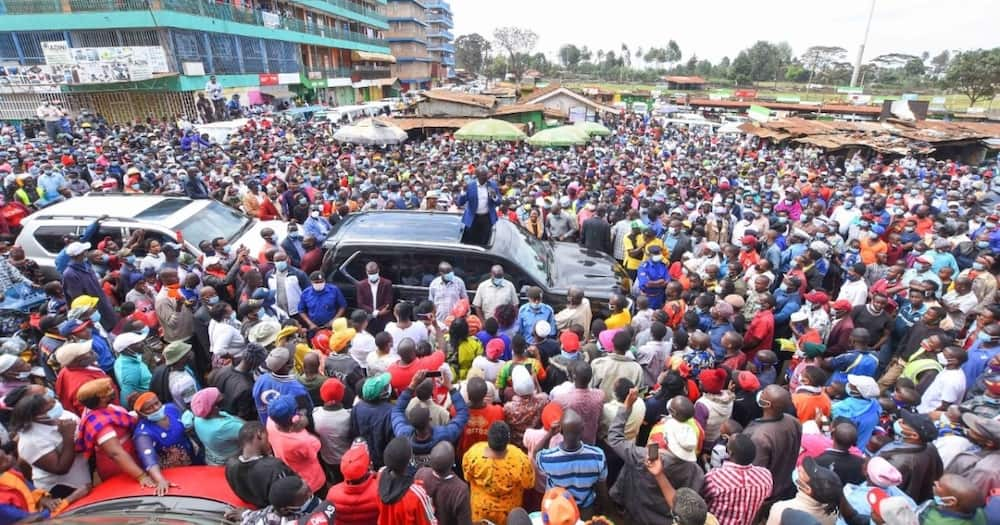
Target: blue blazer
(470,199)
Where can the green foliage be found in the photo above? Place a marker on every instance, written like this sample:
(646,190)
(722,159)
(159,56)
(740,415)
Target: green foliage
(976,74)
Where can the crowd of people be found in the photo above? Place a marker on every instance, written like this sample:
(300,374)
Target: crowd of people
(805,338)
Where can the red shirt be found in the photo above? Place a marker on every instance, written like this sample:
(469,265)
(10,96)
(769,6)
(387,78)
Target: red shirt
(761,329)
(479,423)
(356,504)
(70,380)
(311,261)
(402,375)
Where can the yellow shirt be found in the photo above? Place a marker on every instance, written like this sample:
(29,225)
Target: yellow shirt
(618,320)
(632,263)
(496,485)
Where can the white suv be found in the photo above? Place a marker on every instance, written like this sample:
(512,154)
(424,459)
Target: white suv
(166,219)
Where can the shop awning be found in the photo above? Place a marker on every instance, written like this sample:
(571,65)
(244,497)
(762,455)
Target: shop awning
(385,81)
(365,56)
(277,91)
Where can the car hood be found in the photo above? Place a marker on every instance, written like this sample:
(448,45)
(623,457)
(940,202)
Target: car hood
(596,272)
(252,239)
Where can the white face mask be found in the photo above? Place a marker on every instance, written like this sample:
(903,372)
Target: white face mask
(319,286)
(942,359)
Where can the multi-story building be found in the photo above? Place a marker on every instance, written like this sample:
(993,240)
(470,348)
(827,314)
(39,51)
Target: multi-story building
(133,59)
(421,40)
(440,40)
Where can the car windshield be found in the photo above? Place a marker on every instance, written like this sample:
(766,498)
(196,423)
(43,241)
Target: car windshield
(534,255)
(163,209)
(215,220)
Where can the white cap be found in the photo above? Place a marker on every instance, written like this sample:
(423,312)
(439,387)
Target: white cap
(125,340)
(7,361)
(76,248)
(543,328)
(799,316)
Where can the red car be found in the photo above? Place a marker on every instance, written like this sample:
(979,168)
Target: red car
(202,496)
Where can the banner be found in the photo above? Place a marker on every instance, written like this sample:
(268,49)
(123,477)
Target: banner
(745,93)
(850,89)
(759,113)
(788,99)
(98,65)
(271,20)
(268,79)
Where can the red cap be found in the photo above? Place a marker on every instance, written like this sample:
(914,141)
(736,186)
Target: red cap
(331,390)
(747,381)
(569,341)
(749,240)
(354,463)
(551,414)
(842,305)
(817,296)
(495,348)
(712,380)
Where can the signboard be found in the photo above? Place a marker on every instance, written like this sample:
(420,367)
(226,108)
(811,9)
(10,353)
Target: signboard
(859,100)
(909,96)
(789,99)
(850,89)
(759,113)
(288,78)
(193,69)
(98,65)
(717,96)
(577,114)
(745,93)
(268,79)
(938,101)
(271,20)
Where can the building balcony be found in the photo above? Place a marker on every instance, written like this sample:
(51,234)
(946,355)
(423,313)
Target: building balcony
(367,72)
(441,33)
(443,20)
(331,72)
(447,48)
(361,9)
(224,12)
(439,5)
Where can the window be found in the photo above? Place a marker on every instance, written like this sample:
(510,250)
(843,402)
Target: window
(472,269)
(423,268)
(114,232)
(389,265)
(51,237)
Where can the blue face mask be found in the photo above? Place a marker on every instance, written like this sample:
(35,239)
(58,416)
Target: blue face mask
(130,259)
(144,332)
(55,412)
(158,415)
(95,317)
(983,337)
(373,278)
(448,277)
(942,502)
(897,429)
(978,266)
(498,281)
(213,300)
(983,244)
(281,266)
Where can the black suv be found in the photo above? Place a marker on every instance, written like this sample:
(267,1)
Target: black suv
(409,245)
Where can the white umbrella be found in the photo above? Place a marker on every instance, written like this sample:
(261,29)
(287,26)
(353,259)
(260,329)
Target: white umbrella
(370,132)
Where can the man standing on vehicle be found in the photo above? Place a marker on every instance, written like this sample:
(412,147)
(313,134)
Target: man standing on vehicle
(214,90)
(80,279)
(481,198)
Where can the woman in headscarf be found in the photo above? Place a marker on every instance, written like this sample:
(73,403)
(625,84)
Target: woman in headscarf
(218,431)
(524,410)
(106,433)
(160,437)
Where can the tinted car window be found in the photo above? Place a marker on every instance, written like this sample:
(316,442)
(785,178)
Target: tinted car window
(389,265)
(423,268)
(114,232)
(472,269)
(51,237)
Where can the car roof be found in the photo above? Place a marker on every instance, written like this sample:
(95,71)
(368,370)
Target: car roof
(400,226)
(116,206)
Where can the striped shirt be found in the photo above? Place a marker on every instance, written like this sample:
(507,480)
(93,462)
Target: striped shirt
(734,493)
(577,471)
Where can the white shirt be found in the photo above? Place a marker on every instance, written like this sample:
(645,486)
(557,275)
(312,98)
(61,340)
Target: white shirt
(483,204)
(374,288)
(380,363)
(854,291)
(489,296)
(362,345)
(41,439)
(225,339)
(948,386)
(416,331)
(292,292)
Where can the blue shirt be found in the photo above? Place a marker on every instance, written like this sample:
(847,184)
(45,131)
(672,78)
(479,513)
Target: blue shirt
(864,413)
(101,347)
(318,228)
(715,339)
(979,359)
(528,316)
(577,471)
(269,386)
(849,363)
(653,271)
(323,305)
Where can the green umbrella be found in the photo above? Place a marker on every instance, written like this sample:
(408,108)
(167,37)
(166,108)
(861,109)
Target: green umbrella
(561,136)
(489,129)
(593,128)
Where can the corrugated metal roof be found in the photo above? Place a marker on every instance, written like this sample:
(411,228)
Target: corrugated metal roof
(483,101)
(684,80)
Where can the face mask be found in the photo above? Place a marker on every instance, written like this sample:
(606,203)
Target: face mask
(942,359)
(762,403)
(158,415)
(848,205)
(95,317)
(319,286)
(213,300)
(672,231)
(498,281)
(373,278)
(981,245)
(232,317)
(144,332)
(315,214)
(295,234)
(55,412)
(944,501)
(130,259)
(657,258)
(448,277)
(281,266)
(105,258)
(766,211)
(228,249)
(897,429)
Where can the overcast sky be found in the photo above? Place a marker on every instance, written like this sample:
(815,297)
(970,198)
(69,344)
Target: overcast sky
(713,29)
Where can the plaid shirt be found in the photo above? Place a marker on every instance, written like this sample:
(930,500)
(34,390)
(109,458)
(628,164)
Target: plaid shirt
(10,275)
(734,493)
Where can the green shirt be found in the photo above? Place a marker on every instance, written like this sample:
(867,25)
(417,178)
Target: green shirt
(934,516)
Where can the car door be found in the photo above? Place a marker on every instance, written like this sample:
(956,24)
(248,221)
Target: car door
(348,269)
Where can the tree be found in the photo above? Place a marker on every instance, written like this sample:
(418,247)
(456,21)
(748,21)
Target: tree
(914,68)
(742,69)
(516,41)
(818,59)
(673,52)
(762,61)
(569,56)
(470,52)
(939,64)
(976,74)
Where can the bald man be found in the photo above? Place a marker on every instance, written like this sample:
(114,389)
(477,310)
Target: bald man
(957,500)
(449,493)
(574,465)
(777,437)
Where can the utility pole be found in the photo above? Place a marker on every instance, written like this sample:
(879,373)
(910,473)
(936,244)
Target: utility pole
(861,50)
